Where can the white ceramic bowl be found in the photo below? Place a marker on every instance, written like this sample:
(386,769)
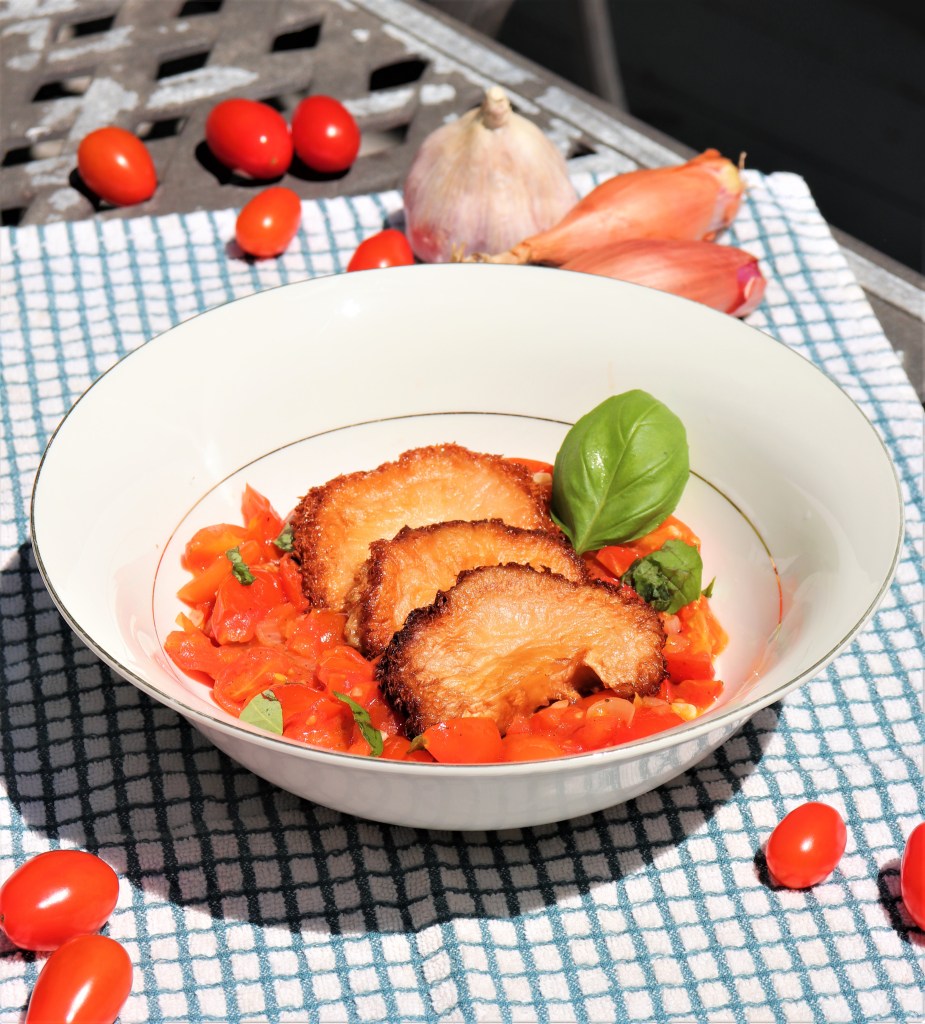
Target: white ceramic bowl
(792,492)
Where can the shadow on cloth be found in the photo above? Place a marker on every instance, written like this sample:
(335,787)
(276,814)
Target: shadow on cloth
(90,761)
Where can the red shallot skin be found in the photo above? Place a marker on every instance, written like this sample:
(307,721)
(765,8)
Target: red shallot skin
(691,201)
(719,276)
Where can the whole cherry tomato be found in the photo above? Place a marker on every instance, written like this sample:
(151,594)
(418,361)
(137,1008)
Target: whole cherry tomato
(806,846)
(269,222)
(325,135)
(117,166)
(251,137)
(912,875)
(389,248)
(56,896)
(86,981)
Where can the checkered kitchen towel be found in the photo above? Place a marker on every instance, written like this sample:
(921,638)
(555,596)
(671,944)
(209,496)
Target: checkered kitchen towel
(240,902)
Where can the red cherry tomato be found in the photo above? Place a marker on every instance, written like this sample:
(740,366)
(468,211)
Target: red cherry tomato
(325,135)
(806,846)
(86,981)
(389,248)
(912,875)
(464,741)
(269,222)
(116,166)
(56,896)
(239,607)
(251,137)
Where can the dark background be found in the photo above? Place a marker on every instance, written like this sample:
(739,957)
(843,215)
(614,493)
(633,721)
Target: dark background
(833,90)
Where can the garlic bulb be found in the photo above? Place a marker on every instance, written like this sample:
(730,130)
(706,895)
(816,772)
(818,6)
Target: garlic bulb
(483,183)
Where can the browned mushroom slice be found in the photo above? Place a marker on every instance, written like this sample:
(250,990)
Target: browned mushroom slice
(406,572)
(507,640)
(335,524)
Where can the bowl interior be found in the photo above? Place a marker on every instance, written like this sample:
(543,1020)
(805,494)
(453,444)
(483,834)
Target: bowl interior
(291,387)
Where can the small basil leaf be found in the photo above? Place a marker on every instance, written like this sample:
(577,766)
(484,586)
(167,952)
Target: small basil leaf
(620,472)
(284,541)
(239,567)
(708,589)
(265,711)
(368,731)
(669,578)
(418,743)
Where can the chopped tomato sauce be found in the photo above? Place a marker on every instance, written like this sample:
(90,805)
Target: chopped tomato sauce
(259,639)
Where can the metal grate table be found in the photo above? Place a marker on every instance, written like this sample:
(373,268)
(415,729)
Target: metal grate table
(156,67)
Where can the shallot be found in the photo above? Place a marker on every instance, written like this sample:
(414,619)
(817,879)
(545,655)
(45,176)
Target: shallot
(718,276)
(693,201)
(483,182)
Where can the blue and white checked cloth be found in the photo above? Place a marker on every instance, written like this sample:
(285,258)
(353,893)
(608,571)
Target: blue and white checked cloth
(242,903)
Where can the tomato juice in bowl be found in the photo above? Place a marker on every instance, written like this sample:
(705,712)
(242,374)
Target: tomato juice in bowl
(522,354)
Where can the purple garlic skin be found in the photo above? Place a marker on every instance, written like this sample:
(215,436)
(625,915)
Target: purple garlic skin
(483,183)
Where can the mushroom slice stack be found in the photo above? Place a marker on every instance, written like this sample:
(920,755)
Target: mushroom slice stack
(506,640)
(407,572)
(335,524)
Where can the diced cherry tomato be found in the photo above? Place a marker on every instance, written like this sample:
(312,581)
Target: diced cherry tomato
(263,521)
(295,699)
(616,559)
(290,578)
(606,722)
(381,714)
(239,607)
(398,748)
(595,735)
(204,587)
(558,720)
(327,723)
(389,248)
(319,631)
(251,137)
(269,222)
(85,981)
(670,529)
(56,896)
(528,747)
(685,661)
(208,543)
(251,670)
(806,846)
(648,721)
(325,134)
(277,625)
(465,741)
(193,651)
(912,875)
(702,693)
(611,707)
(116,165)
(342,667)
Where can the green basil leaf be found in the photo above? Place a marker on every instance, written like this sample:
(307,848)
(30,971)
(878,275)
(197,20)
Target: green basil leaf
(708,589)
(285,540)
(620,472)
(361,716)
(669,578)
(265,711)
(239,567)
(418,743)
